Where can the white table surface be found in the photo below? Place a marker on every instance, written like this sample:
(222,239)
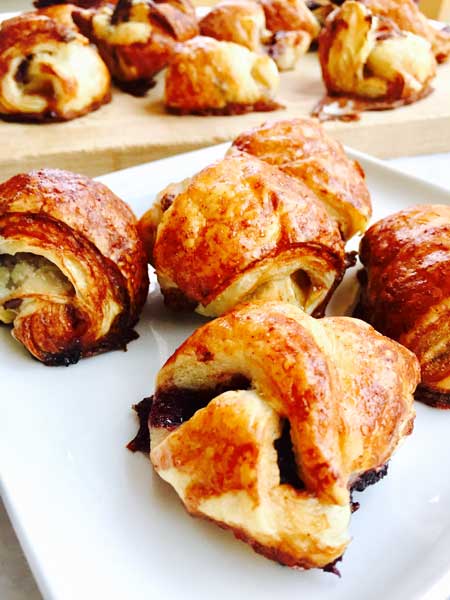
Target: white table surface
(16,580)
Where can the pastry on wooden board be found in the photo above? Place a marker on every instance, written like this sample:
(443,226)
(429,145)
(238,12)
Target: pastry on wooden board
(382,67)
(406,290)
(137,38)
(266,419)
(209,77)
(48,70)
(302,149)
(73,272)
(242,230)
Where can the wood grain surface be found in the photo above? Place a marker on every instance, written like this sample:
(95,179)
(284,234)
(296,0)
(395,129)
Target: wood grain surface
(132,130)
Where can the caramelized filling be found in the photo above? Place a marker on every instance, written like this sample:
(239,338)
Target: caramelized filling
(286,459)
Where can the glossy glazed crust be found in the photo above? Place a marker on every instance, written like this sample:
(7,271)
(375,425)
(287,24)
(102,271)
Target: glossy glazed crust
(80,3)
(243,229)
(289,15)
(90,235)
(382,64)
(347,393)
(237,21)
(407,15)
(48,71)
(302,149)
(406,287)
(208,77)
(137,39)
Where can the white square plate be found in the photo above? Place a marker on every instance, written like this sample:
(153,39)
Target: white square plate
(96,522)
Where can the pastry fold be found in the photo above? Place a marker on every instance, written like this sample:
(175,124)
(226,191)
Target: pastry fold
(48,70)
(369,59)
(137,38)
(265,419)
(302,149)
(209,77)
(239,230)
(73,274)
(406,290)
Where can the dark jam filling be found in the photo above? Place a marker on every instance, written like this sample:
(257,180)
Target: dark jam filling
(141,443)
(286,459)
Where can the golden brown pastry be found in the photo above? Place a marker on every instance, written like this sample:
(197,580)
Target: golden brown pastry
(73,274)
(407,15)
(208,77)
(137,38)
(48,71)
(406,290)
(381,66)
(239,230)
(80,3)
(238,21)
(287,47)
(266,419)
(302,149)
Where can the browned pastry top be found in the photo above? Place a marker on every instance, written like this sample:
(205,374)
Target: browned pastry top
(302,149)
(311,405)
(406,293)
(289,15)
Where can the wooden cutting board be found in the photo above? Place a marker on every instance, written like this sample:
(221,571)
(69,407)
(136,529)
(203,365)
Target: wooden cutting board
(135,130)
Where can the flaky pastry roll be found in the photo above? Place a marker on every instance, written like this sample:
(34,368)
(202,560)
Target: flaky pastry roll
(73,274)
(266,419)
(290,15)
(137,38)
(406,290)
(208,77)
(380,67)
(240,230)
(48,71)
(302,149)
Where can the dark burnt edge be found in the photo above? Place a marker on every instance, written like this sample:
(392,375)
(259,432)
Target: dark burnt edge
(365,480)
(141,442)
(432,396)
(231,108)
(331,567)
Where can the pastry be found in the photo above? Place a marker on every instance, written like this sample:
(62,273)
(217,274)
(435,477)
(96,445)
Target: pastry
(287,47)
(48,71)
(136,38)
(290,15)
(73,274)
(406,290)
(80,3)
(238,21)
(208,77)
(240,230)
(266,419)
(382,66)
(302,149)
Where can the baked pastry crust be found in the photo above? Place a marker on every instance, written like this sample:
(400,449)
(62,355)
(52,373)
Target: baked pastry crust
(312,405)
(137,38)
(239,230)
(208,77)
(290,15)
(302,149)
(49,71)
(406,290)
(73,271)
(382,67)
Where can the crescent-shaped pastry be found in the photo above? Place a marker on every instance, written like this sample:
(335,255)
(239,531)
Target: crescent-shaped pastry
(266,419)
(208,77)
(406,290)
(408,16)
(382,66)
(49,71)
(73,274)
(239,230)
(136,38)
(238,21)
(302,149)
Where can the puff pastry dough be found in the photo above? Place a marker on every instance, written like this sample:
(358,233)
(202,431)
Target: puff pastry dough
(406,290)
(290,15)
(302,149)
(48,71)
(238,230)
(370,59)
(137,38)
(208,77)
(265,419)
(73,274)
